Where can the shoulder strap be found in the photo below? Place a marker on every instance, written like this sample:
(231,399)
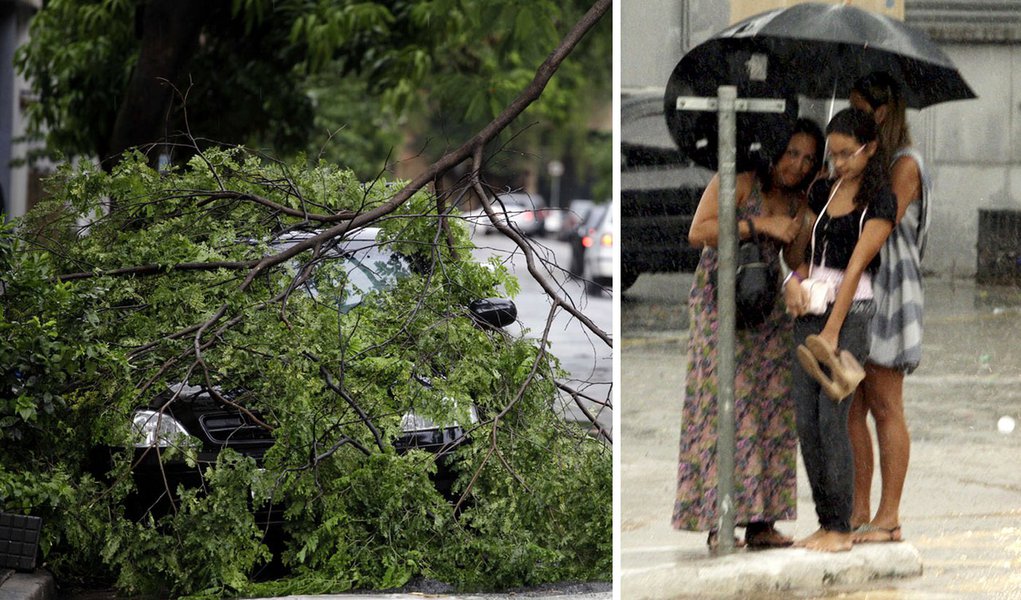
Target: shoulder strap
(818,217)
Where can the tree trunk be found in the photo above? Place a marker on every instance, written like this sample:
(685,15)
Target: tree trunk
(169,32)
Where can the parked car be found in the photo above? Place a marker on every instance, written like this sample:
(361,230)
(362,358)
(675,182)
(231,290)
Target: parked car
(576,241)
(523,212)
(660,190)
(598,263)
(210,421)
(575,214)
(552,221)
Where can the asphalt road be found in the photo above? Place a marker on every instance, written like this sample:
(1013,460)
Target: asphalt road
(587,359)
(961,507)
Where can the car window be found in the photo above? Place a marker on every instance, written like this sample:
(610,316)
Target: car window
(369,270)
(359,271)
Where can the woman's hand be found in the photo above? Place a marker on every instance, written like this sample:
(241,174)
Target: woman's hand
(779,227)
(831,335)
(795,297)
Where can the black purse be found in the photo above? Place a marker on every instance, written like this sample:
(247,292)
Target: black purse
(758,282)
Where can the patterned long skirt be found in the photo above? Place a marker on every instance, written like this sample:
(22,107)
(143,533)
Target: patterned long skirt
(766,456)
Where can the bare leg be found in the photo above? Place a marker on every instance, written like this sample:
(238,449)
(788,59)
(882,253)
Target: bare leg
(886,402)
(861,443)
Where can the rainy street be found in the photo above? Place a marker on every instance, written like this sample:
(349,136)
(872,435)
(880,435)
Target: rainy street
(583,355)
(961,508)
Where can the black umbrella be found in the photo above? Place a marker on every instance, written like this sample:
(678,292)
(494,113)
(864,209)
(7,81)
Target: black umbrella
(817,50)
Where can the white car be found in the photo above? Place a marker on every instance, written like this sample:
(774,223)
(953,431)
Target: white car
(598,257)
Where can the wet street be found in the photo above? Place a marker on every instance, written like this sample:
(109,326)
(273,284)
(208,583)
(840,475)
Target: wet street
(961,507)
(586,358)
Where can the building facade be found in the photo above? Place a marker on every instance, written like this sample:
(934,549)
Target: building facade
(972,147)
(18,182)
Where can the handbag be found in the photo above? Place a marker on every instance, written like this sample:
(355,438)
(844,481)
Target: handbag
(757,282)
(821,293)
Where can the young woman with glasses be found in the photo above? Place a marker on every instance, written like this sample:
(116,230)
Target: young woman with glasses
(850,217)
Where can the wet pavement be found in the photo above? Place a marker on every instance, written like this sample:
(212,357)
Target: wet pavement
(961,509)
(586,358)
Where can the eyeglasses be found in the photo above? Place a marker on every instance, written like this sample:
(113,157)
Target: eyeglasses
(835,157)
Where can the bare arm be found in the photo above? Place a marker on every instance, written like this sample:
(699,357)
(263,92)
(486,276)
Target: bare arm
(795,253)
(705,225)
(906,181)
(796,257)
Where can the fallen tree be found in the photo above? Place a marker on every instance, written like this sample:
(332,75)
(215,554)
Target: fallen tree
(224,275)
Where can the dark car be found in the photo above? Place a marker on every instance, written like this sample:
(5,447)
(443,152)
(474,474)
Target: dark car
(659,189)
(577,240)
(574,215)
(209,420)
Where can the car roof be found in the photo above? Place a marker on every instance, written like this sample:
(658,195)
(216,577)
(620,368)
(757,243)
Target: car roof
(521,198)
(353,241)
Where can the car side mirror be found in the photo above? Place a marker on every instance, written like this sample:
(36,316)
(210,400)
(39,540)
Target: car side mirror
(493,312)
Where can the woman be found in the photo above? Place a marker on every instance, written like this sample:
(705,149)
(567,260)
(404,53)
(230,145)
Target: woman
(896,344)
(851,217)
(772,200)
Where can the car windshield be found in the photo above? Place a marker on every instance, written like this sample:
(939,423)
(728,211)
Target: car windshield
(358,266)
(368,270)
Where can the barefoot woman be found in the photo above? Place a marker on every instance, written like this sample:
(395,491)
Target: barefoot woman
(852,216)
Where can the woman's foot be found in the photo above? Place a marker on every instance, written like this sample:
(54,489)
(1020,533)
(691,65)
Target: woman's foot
(765,535)
(871,533)
(829,541)
(804,542)
(713,541)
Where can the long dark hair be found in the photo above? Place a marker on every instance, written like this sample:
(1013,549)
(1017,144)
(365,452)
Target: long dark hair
(860,125)
(808,127)
(880,89)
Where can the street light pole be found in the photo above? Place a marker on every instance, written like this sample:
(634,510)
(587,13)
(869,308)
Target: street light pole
(556,170)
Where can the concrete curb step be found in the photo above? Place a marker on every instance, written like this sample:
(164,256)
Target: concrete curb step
(37,585)
(768,571)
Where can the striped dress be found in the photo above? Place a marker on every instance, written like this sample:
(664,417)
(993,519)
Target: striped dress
(896,331)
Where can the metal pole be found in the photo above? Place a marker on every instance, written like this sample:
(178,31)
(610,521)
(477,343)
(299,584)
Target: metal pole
(727,246)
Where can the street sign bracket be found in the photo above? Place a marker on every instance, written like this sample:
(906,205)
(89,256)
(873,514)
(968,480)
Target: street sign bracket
(768,105)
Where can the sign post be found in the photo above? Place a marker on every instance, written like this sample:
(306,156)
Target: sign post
(727,105)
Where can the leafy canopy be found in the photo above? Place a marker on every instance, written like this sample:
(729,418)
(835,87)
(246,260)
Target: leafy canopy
(99,319)
(292,74)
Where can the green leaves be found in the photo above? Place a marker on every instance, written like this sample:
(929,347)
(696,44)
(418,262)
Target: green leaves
(77,358)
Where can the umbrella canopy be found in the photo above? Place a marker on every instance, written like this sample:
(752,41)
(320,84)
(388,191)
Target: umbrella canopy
(817,50)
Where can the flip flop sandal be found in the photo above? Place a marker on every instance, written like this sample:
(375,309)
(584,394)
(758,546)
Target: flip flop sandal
(713,541)
(892,534)
(769,538)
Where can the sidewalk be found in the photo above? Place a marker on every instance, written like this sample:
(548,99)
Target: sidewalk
(961,509)
(39,585)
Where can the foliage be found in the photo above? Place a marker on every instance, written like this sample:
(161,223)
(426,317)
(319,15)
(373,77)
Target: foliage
(79,354)
(442,68)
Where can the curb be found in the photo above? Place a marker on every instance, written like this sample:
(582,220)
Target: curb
(529,596)
(37,585)
(771,571)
